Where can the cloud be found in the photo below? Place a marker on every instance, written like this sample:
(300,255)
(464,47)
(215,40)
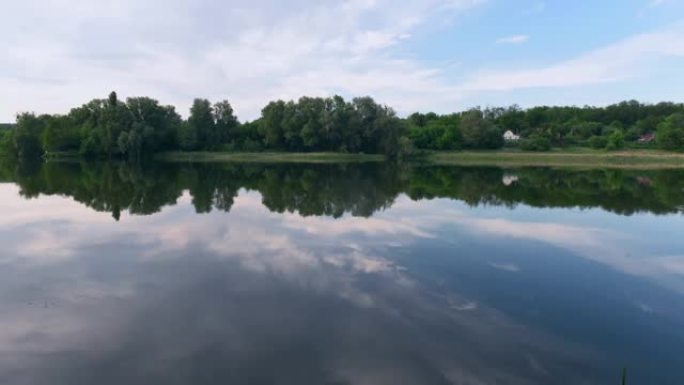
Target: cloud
(230,282)
(509,267)
(61,54)
(615,62)
(515,39)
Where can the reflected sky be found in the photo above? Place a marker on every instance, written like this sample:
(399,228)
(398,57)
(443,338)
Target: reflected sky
(424,291)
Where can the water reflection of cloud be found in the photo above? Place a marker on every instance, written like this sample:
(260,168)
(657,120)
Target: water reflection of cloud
(216,292)
(604,245)
(509,267)
(599,245)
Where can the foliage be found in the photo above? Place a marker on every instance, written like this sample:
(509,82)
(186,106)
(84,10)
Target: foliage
(598,142)
(616,141)
(111,128)
(536,143)
(7,143)
(562,126)
(435,132)
(331,124)
(480,132)
(27,135)
(140,126)
(670,133)
(338,189)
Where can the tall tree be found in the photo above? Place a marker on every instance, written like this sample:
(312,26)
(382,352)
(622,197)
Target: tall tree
(479,132)
(27,135)
(201,122)
(670,134)
(227,124)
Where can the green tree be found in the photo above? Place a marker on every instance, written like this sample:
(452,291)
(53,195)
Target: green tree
(7,143)
(271,124)
(187,137)
(227,125)
(60,134)
(28,134)
(155,126)
(670,133)
(536,143)
(616,141)
(598,142)
(478,132)
(201,122)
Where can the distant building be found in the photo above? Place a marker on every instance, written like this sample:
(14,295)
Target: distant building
(509,135)
(647,138)
(509,179)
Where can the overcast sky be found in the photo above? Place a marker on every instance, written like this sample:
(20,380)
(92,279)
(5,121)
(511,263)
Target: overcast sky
(425,55)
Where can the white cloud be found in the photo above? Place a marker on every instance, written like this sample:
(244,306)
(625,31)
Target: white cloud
(618,61)
(62,53)
(515,39)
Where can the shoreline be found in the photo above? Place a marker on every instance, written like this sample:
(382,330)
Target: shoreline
(267,157)
(573,158)
(565,158)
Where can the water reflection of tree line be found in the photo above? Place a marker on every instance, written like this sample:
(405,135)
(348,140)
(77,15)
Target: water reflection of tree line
(335,190)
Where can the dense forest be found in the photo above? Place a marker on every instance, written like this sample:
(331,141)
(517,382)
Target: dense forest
(341,189)
(140,126)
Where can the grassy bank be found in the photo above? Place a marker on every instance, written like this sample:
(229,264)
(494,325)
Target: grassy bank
(573,157)
(578,158)
(268,157)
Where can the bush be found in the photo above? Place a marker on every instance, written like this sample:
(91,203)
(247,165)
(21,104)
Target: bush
(670,133)
(6,142)
(536,143)
(616,141)
(250,145)
(598,142)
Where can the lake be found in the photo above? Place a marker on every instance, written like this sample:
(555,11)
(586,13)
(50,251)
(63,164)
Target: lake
(367,273)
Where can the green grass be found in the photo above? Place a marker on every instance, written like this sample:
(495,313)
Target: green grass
(571,157)
(268,157)
(577,157)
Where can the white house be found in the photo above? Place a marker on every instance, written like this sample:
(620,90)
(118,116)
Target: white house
(509,135)
(509,179)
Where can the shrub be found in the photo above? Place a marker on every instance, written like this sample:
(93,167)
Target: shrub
(616,141)
(536,143)
(598,142)
(670,133)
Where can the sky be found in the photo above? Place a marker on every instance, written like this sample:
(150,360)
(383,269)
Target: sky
(414,55)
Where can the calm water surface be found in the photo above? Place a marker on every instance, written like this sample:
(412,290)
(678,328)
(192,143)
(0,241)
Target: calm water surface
(339,274)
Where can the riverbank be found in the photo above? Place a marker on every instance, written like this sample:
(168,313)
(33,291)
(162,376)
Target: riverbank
(576,158)
(564,158)
(268,157)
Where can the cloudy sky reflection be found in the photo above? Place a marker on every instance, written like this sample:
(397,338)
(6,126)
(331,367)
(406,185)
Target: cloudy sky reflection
(425,292)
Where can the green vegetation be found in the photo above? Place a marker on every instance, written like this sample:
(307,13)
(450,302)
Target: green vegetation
(566,158)
(140,127)
(269,157)
(109,128)
(670,134)
(359,189)
(612,128)
(6,142)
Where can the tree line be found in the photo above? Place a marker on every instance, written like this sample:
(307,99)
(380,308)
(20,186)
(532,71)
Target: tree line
(336,190)
(612,127)
(111,128)
(139,126)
